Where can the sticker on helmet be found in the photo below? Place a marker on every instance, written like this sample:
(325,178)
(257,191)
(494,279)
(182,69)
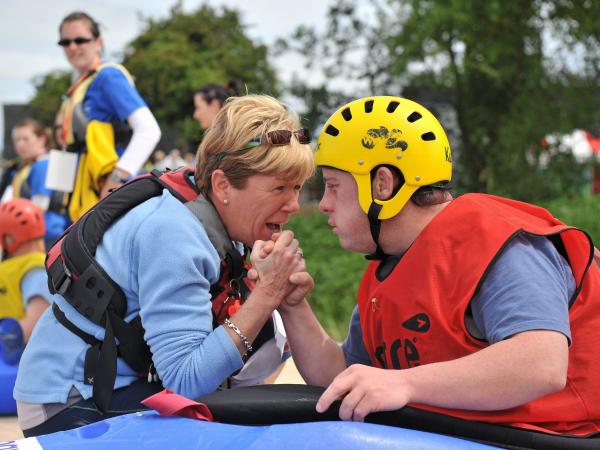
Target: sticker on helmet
(392,138)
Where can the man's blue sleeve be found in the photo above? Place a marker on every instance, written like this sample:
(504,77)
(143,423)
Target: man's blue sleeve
(353,346)
(528,288)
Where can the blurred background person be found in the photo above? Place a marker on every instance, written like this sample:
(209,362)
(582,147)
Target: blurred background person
(104,119)
(190,159)
(8,168)
(24,295)
(32,142)
(156,158)
(209,99)
(172,161)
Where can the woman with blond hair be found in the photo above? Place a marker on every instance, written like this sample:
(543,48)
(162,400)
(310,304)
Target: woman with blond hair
(176,260)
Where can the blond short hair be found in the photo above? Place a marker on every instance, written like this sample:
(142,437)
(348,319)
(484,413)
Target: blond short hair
(241,120)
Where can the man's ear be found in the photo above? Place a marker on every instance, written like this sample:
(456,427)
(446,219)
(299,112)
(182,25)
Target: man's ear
(220,186)
(383,184)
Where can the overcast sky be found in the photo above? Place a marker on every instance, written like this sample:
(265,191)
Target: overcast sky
(29,32)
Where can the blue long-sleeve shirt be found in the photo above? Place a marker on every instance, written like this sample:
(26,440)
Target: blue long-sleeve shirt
(161,257)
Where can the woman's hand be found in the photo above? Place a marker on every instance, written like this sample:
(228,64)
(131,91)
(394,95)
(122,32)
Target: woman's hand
(302,280)
(274,262)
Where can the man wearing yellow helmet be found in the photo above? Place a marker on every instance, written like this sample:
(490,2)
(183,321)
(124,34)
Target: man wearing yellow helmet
(490,307)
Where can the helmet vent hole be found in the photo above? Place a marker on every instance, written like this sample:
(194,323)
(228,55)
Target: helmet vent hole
(392,107)
(429,136)
(347,114)
(369,106)
(414,116)
(331,130)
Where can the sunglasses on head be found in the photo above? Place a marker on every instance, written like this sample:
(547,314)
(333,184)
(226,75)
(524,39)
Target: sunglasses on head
(280,137)
(76,41)
(275,137)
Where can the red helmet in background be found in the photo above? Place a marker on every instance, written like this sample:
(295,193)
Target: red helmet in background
(20,221)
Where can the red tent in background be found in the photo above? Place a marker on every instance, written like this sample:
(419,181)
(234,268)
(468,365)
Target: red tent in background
(595,151)
(583,145)
(593,141)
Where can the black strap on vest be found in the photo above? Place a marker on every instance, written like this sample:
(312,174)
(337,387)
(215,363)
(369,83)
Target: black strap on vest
(58,199)
(77,276)
(375,226)
(74,273)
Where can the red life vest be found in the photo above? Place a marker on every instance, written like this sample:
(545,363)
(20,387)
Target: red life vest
(422,304)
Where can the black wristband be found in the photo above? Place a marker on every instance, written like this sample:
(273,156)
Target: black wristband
(118,178)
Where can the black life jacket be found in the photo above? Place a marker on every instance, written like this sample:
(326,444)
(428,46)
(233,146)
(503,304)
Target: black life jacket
(74,273)
(57,199)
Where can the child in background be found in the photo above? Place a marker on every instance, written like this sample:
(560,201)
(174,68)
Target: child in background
(24,294)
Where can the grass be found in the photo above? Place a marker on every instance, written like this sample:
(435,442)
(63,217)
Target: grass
(337,272)
(582,212)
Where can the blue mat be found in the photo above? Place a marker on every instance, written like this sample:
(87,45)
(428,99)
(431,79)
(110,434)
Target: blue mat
(149,431)
(8,375)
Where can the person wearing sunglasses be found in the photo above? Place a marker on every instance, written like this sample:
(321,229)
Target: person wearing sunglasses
(178,260)
(103,119)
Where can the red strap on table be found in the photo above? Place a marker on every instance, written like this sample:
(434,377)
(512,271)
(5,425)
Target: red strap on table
(168,403)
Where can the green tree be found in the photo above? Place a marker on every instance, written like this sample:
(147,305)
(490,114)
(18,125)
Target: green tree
(512,72)
(174,56)
(49,91)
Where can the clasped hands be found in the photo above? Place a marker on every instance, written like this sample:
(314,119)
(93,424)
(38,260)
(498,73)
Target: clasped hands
(278,265)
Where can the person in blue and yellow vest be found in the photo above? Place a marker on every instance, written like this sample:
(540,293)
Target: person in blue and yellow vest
(24,294)
(104,119)
(32,141)
(477,307)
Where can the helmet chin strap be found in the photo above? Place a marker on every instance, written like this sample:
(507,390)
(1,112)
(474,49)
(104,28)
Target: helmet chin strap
(375,226)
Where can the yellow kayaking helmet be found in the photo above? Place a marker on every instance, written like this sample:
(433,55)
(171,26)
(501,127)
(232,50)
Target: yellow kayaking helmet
(385,130)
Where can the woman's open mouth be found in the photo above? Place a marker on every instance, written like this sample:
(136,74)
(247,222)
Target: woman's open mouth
(274,227)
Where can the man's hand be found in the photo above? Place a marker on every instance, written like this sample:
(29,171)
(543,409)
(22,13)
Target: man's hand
(504,375)
(364,390)
(304,284)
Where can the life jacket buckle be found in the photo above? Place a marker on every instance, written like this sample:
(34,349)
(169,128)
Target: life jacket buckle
(65,280)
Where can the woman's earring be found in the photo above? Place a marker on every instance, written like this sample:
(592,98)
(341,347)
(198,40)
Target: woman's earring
(226,201)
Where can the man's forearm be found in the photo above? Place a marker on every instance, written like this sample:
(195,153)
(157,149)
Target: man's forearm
(486,380)
(318,358)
